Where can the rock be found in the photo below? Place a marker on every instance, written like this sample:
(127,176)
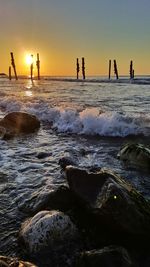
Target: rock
(116,211)
(19,123)
(2,132)
(3,74)
(84,184)
(138,154)
(43,155)
(60,198)
(66,161)
(47,229)
(112,256)
(13,262)
(69,158)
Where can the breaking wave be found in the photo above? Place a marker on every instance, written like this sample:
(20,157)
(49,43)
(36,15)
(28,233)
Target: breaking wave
(95,122)
(90,121)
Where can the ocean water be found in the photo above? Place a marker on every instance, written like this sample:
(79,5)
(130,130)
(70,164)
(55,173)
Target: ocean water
(88,121)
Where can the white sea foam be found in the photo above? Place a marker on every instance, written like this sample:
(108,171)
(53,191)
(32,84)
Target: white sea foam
(94,122)
(90,121)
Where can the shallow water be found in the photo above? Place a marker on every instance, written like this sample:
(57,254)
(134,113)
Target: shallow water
(88,121)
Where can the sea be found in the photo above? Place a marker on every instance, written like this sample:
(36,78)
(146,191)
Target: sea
(86,120)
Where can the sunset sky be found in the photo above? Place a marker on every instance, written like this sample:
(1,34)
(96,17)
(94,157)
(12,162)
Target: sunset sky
(62,30)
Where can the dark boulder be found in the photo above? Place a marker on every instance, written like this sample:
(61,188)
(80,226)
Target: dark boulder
(116,211)
(47,229)
(19,123)
(137,154)
(112,256)
(43,155)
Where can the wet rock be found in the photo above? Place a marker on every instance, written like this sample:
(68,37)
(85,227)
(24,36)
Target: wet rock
(65,161)
(137,154)
(2,132)
(43,155)
(85,184)
(19,123)
(60,198)
(47,229)
(115,210)
(13,262)
(68,159)
(112,256)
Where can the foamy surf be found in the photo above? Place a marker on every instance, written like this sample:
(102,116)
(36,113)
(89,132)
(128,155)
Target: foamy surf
(89,121)
(94,122)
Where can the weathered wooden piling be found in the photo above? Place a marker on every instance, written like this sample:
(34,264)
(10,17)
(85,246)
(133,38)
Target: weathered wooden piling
(131,70)
(83,68)
(10,73)
(115,69)
(77,68)
(13,65)
(109,74)
(38,66)
(31,68)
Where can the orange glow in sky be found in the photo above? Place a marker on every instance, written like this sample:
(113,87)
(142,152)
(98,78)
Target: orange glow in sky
(61,31)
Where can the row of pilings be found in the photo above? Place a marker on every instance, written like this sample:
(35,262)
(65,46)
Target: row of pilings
(131,70)
(13,65)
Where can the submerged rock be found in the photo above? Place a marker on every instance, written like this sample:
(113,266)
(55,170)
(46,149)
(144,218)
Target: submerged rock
(138,154)
(47,229)
(19,123)
(112,256)
(115,210)
(8,261)
(69,158)
(65,161)
(43,155)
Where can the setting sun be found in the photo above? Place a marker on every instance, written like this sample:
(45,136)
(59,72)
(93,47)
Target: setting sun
(29,59)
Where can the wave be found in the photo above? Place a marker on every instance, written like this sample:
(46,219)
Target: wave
(95,122)
(90,121)
(144,80)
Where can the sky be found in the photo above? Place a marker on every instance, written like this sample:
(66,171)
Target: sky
(63,30)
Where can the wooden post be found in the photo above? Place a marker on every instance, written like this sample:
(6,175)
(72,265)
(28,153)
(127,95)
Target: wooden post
(13,65)
(31,68)
(10,73)
(83,68)
(115,69)
(109,75)
(78,68)
(38,66)
(131,69)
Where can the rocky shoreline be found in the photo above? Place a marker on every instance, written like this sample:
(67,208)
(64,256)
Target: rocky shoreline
(96,219)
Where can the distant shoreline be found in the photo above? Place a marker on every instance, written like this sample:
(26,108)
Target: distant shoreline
(141,79)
